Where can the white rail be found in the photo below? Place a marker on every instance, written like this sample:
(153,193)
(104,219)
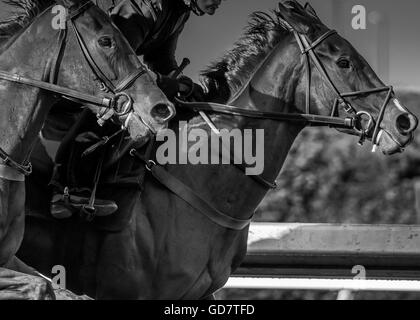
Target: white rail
(322,284)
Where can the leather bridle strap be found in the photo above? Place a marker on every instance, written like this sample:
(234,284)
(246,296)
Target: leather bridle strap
(191,197)
(85,6)
(24,170)
(380,118)
(130,79)
(311,119)
(97,71)
(308,51)
(305,50)
(66,92)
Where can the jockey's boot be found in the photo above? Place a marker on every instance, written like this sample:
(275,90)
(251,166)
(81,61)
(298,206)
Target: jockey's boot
(59,206)
(64,205)
(81,201)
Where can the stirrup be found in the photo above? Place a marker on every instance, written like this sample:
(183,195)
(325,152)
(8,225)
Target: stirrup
(65,205)
(59,206)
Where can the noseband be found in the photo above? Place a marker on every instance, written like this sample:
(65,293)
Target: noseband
(12,170)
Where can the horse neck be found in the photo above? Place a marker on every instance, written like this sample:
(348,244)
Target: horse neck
(24,108)
(227,187)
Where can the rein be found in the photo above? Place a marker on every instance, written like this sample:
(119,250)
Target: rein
(311,119)
(11,170)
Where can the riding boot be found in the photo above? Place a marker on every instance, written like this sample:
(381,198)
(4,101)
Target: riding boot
(59,206)
(81,201)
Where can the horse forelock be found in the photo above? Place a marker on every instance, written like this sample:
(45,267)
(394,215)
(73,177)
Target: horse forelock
(228,75)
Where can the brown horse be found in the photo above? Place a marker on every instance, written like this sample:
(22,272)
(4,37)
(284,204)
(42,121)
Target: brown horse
(38,66)
(184,242)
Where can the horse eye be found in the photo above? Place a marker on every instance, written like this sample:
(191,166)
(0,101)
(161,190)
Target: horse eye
(344,63)
(106,42)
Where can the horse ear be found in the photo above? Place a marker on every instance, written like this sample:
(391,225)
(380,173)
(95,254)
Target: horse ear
(310,10)
(293,14)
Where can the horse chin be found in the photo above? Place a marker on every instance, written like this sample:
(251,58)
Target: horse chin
(388,145)
(140,134)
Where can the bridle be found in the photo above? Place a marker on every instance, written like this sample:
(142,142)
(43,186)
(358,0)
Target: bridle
(12,170)
(308,51)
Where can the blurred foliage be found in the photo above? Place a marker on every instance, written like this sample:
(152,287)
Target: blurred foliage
(328,178)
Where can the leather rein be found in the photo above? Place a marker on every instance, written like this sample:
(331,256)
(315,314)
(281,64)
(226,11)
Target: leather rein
(10,169)
(352,121)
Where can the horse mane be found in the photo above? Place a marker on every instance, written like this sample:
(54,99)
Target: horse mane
(228,75)
(24,13)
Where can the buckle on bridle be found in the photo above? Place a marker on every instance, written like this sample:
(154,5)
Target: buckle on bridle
(127,106)
(364,131)
(150,164)
(346,106)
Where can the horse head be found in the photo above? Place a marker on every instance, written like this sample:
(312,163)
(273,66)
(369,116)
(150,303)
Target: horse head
(340,81)
(140,105)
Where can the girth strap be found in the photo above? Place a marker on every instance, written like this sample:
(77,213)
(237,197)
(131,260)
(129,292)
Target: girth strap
(191,197)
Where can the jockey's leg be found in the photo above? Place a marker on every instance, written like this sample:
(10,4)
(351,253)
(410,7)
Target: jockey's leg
(45,172)
(59,133)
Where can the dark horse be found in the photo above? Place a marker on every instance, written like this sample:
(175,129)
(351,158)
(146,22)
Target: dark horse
(185,244)
(38,66)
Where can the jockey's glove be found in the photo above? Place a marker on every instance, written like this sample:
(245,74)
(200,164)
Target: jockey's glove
(168,85)
(182,87)
(188,90)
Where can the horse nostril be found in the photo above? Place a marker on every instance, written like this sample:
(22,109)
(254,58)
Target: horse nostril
(163,111)
(406,123)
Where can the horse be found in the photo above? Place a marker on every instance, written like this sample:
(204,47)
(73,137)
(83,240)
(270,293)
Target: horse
(185,231)
(41,65)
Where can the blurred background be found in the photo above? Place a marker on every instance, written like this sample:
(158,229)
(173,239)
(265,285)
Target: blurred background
(328,178)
